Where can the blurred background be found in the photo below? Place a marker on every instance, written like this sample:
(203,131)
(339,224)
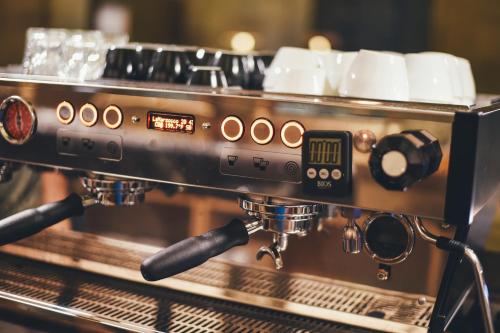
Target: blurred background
(468,29)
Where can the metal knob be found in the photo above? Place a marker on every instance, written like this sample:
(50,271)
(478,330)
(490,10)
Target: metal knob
(352,238)
(383,272)
(401,160)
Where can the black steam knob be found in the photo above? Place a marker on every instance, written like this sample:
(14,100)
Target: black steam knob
(400,160)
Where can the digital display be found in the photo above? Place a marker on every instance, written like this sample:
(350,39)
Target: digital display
(326,151)
(170,122)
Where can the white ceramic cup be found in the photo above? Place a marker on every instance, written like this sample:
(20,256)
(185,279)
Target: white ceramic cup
(297,71)
(295,57)
(305,81)
(452,64)
(336,64)
(376,75)
(467,78)
(430,78)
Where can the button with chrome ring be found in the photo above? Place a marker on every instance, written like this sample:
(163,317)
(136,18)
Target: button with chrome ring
(65,112)
(88,115)
(232,128)
(112,117)
(262,131)
(291,134)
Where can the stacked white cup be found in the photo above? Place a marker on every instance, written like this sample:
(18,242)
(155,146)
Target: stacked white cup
(467,80)
(440,78)
(302,71)
(336,64)
(376,75)
(430,77)
(297,71)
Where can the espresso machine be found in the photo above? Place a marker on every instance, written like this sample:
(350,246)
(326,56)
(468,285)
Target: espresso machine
(367,207)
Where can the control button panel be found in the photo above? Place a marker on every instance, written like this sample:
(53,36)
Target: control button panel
(84,144)
(88,115)
(327,163)
(232,128)
(291,134)
(65,112)
(262,131)
(261,165)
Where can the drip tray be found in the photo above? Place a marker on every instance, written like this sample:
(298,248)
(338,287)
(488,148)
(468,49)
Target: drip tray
(139,308)
(306,296)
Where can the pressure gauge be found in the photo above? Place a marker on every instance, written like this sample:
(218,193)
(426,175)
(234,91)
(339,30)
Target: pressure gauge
(17,120)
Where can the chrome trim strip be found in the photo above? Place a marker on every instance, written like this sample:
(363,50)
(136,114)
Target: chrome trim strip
(147,88)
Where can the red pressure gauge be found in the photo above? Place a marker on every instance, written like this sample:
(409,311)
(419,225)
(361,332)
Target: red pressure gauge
(17,120)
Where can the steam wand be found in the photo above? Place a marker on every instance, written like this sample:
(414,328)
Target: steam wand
(463,250)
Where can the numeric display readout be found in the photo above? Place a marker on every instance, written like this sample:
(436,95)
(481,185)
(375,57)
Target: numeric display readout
(325,151)
(170,122)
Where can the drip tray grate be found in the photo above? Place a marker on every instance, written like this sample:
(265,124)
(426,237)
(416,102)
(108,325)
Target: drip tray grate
(136,307)
(320,298)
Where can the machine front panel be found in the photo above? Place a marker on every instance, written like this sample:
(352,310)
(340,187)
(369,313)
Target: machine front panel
(245,144)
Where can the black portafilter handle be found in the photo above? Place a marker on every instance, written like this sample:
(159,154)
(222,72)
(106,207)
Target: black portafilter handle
(194,251)
(33,220)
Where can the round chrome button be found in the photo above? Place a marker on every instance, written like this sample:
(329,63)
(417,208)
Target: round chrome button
(311,173)
(65,113)
(112,117)
(291,134)
(323,174)
(88,115)
(262,131)
(232,128)
(394,163)
(336,174)
(364,140)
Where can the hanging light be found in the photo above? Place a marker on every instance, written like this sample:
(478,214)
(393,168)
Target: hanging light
(243,42)
(319,43)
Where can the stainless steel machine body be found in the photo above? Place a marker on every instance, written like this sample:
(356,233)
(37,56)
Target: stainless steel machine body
(210,156)
(177,157)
